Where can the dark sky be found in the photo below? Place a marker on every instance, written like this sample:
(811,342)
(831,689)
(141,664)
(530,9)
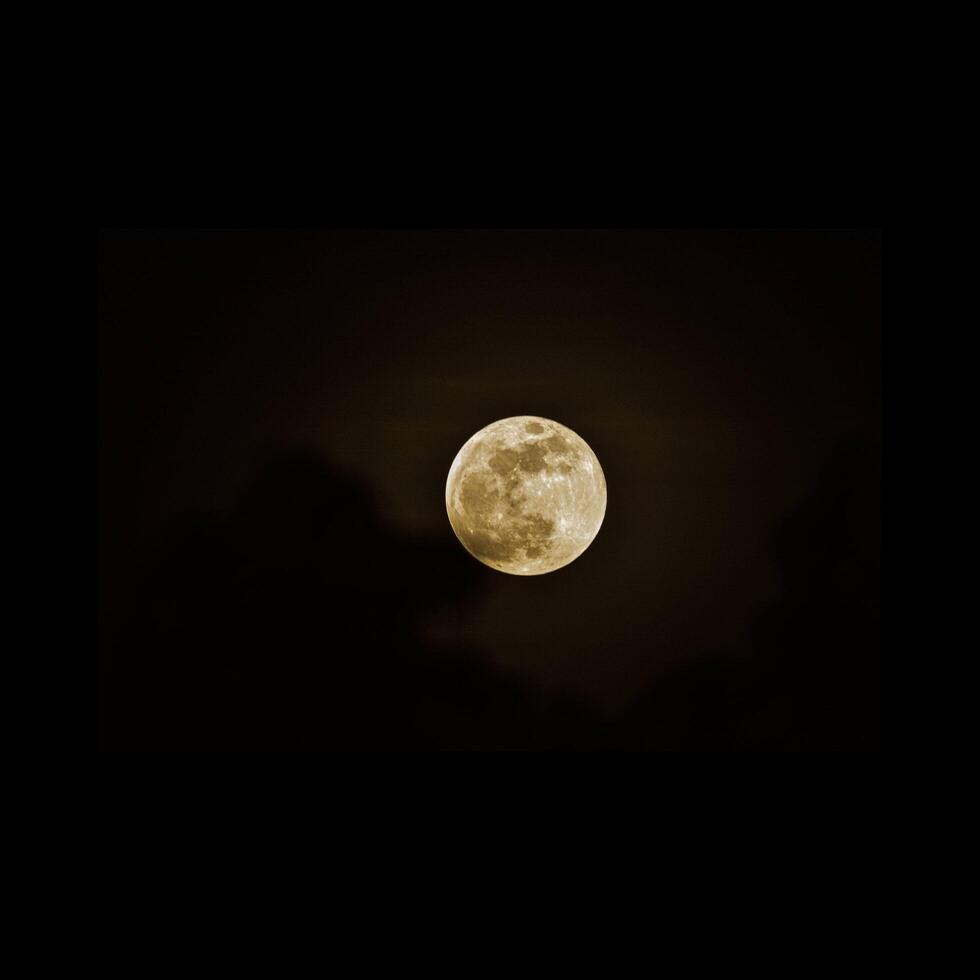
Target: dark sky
(716,375)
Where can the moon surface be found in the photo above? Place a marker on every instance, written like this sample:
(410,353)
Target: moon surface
(526,495)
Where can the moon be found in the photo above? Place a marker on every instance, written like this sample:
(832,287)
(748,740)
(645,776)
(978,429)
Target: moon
(526,495)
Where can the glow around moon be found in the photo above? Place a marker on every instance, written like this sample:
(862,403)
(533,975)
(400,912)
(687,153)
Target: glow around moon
(526,495)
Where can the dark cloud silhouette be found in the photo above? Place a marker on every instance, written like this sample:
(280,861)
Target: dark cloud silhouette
(293,623)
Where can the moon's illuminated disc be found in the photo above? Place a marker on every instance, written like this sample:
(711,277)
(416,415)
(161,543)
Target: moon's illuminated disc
(526,495)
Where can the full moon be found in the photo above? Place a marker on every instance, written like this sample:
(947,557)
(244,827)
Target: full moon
(526,495)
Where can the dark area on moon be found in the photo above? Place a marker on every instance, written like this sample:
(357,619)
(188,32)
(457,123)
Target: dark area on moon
(293,622)
(482,497)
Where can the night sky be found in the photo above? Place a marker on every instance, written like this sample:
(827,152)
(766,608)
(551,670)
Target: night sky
(279,409)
